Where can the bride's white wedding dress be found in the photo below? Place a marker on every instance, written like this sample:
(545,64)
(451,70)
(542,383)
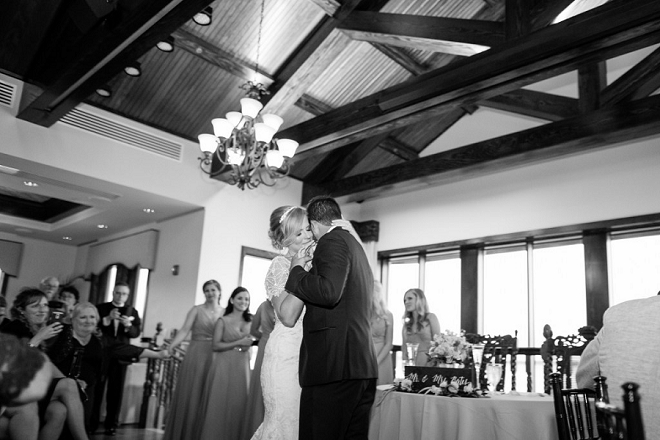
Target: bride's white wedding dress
(279,372)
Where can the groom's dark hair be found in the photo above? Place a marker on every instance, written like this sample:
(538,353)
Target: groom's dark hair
(323,209)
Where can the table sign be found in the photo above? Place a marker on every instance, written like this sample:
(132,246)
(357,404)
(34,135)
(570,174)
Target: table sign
(423,377)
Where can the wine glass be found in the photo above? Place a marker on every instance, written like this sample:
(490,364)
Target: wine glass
(411,352)
(477,356)
(494,374)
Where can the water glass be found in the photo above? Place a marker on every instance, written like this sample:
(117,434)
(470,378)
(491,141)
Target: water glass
(411,352)
(494,374)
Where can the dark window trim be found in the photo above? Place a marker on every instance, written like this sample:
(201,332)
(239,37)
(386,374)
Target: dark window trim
(615,225)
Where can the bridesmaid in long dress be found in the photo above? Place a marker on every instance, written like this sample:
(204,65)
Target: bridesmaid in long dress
(419,325)
(263,323)
(187,409)
(229,377)
(382,334)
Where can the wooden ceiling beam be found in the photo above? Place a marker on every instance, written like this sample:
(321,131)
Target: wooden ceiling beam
(638,82)
(103,54)
(309,61)
(544,12)
(330,7)
(400,57)
(592,78)
(599,34)
(397,148)
(517,21)
(218,57)
(341,161)
(312,105)
(438,34)
(23,27)
(582,133)
(535,104)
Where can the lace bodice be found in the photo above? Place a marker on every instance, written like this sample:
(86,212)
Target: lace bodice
(276,278)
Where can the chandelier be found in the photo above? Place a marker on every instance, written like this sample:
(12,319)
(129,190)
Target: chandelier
(244,141)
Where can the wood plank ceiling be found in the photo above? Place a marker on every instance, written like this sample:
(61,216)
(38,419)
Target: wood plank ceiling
(365,86)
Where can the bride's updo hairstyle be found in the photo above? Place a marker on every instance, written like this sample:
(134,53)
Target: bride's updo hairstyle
(285,222)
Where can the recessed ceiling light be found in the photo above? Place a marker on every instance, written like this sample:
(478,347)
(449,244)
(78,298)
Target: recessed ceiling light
(133,69)
(149,210)
(30,183)
(166,45)
(102,226)
(66,238)
(8,170)
(104,91)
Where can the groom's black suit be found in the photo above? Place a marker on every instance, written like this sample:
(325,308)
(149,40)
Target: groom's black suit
(338,367)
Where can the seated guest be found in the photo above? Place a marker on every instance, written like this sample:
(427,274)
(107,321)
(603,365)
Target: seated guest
(30,312)
(25,378)
(78,353)
(625,350)
(69,296)
(382,335)
(3,311)
(50,286)
(419,325)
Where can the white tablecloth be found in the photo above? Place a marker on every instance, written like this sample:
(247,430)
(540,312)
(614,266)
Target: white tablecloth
(407,416)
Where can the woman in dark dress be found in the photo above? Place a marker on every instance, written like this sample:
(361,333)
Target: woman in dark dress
(79,354)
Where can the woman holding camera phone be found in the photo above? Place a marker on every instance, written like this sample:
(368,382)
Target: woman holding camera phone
(62,402)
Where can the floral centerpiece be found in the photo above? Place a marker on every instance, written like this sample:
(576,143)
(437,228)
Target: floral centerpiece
(448,348)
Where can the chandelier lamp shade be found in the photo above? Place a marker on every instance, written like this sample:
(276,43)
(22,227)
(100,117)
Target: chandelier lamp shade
(245,142)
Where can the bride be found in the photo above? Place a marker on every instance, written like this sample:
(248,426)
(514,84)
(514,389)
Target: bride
(289,232)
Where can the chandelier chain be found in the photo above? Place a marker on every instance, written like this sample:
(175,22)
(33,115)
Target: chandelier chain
(261,26)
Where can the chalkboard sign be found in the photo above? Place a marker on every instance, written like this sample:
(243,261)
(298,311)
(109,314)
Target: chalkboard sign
(454,380)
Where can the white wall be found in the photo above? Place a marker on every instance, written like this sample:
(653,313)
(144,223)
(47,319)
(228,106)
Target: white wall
(234,219)
(39,260)
(170,296)
(617,182)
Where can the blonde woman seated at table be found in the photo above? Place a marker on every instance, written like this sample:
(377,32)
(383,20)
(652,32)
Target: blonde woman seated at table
(382,335)
(419,325)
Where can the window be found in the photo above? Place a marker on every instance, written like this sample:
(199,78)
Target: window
(635,266)
(254,267)
(560,297)
(505,292)
(403,274)
(442,285)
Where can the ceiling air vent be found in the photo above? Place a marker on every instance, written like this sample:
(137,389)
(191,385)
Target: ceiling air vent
(7,93)
(108,128)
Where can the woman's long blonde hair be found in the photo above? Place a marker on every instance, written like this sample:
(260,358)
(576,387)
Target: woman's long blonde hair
(421,307)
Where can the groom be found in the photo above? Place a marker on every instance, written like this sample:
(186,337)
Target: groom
(338,368)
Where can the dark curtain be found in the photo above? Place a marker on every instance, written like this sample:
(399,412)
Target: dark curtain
(99,283)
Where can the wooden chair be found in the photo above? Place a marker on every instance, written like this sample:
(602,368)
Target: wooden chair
(559,351)
(616,423)
(497,348)
(574,411)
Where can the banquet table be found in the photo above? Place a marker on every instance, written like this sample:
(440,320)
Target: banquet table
(408,416)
